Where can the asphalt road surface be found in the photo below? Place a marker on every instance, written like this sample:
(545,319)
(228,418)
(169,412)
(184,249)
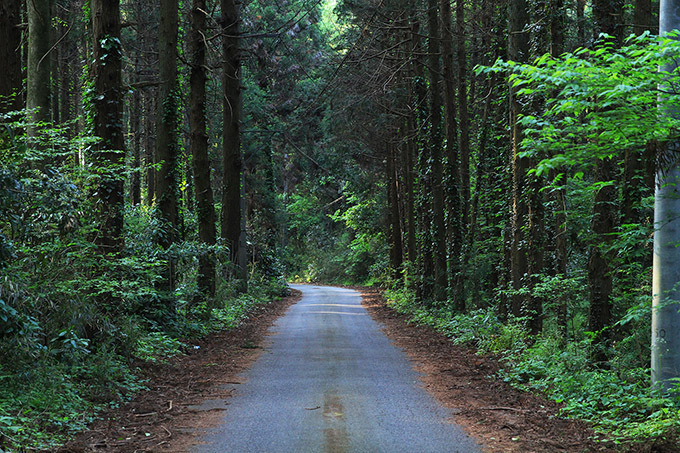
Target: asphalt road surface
(330,381)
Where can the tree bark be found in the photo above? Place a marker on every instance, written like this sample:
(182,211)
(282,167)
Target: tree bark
(199,149)
(10,55)
(455,224)
(38,65)
(518,50)
(396,250)
(108,122)
(666,269)
(233,211)
(435,145)
(167,178)
(464,137)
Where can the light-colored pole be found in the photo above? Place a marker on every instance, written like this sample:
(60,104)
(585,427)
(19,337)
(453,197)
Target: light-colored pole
(666,274)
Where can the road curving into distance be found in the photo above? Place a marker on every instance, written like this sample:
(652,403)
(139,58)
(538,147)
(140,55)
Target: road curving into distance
(330,381)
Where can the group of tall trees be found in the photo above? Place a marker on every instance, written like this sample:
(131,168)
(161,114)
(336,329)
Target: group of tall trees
(130,54)
(465,152)
(340,107)
(469,222)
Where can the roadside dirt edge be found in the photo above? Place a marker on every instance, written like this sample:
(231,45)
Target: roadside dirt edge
(501,418)
(164,418)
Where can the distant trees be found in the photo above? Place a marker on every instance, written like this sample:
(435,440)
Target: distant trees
(513,237)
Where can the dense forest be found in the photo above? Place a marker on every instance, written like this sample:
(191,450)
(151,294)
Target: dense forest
(167,166)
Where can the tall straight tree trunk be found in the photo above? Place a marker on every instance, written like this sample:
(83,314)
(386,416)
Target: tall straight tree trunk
(424,256)
(518,50)
(10,55)
(666,273)
(167,178)
(409,153)
(150,146)
(464,137)
(396,250)
(38,64)
(199,148)
(435,145)
(136,135)
(233,211)
(108,122)
(455,224)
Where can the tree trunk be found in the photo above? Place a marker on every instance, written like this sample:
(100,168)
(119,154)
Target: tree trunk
(455,226)
(108,122)
(435,145)
(396,251)
(232,206)
(518,50)
(464,143)
(150,146)
(199,149)
(10,55)
(167,178)
(38,65)
(666,267)
(136,135)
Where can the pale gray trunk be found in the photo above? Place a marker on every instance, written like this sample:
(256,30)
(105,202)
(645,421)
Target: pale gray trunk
(666,273)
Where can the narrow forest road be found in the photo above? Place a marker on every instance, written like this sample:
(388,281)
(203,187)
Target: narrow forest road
(331,381)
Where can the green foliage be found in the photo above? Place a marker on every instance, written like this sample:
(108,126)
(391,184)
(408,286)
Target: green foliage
(617,401)
(598,102)
(71,319)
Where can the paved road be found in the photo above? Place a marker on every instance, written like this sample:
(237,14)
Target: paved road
(331,382)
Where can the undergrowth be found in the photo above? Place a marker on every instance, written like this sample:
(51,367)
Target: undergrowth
(618,401)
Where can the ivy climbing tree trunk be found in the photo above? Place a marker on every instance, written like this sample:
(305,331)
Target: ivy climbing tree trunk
(518,50)
(233,211)
(199,148)
(435,147)
(455,226)
(396,249)
(167,178)
(464,137)
(108,122)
